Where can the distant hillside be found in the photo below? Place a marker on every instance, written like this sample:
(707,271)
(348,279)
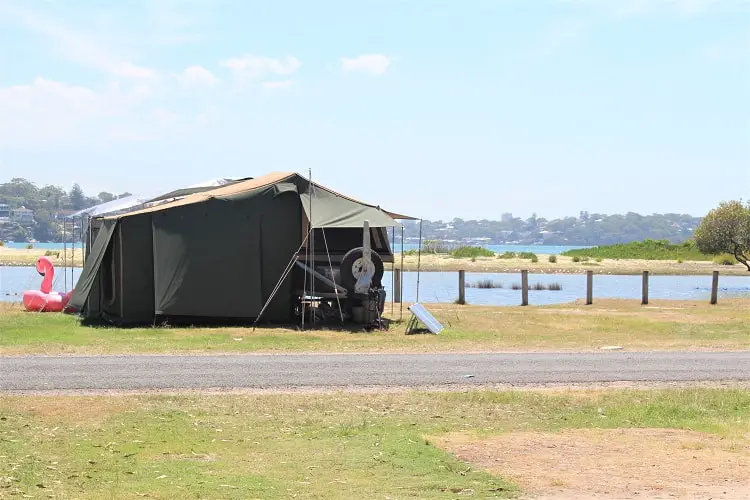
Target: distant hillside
(584,230)
(28,211)
(48,204)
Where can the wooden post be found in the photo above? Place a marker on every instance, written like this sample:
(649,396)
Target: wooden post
(462,287)
(397,285)
(589,287)
(715,288)
(644,292)
(524,288)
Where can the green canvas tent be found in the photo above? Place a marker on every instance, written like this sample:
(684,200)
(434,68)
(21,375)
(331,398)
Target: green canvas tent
(220,254)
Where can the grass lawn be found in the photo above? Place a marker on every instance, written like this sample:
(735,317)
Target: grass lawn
(660,325)
(317,445)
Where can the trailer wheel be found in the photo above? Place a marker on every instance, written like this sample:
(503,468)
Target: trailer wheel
(352,267)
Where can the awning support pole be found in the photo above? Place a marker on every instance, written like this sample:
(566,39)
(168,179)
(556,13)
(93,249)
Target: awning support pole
(419,257)
(403,276)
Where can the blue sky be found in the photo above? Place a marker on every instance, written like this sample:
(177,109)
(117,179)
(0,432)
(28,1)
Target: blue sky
(436,108)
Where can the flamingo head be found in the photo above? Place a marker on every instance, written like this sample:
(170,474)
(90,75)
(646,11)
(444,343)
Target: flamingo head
(43,265)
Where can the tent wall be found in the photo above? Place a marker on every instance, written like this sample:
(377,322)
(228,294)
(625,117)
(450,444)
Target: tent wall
(280,239)
(134,271)
(209,257)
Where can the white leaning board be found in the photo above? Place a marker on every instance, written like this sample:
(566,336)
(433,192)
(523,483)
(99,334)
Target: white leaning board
(426,318)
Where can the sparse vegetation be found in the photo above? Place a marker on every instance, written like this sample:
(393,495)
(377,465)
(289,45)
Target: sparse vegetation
(678,325)
(485,284)
(507,255)
(576,258)
(546,286)
(29,246)
(553,259)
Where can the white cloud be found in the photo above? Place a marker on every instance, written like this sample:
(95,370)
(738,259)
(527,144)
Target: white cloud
(250,68)
(73,44)
(47,111)
(197,76)
(278,84)
(372,64)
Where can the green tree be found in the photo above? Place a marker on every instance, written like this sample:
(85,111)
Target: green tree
(104,197)
(726,229)
(123,195)
(44,229)
(77,198)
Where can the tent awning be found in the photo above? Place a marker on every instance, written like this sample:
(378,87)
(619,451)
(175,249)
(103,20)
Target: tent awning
(336,209)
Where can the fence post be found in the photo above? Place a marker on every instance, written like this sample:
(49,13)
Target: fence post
(462,287)
(397,285)
(589,287)
(524,288)
(715,288)
(644,292)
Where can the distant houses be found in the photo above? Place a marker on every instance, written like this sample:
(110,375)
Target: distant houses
(21,215)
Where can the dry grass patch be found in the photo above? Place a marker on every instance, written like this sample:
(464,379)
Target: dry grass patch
(613,463)
(86,410)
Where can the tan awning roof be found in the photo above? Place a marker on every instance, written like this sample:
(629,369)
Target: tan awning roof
(244,187)
(232,189)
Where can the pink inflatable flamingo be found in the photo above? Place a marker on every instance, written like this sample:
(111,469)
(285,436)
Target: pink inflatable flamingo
(45,300)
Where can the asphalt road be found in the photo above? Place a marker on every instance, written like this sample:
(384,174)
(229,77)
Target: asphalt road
(39,373)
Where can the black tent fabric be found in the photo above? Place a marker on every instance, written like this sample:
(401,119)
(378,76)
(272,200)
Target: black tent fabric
(91,268)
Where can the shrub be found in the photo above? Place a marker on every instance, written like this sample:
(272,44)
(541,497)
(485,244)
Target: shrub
(51,253)
(471,252)
(585,259)
(599,259)
(553,259)
(680,261)
(725,259)
(435,246)
(534,258)
(486,284)
(576,258)
(551,286)
(515,286)
(507,255)
(526,255)
(29,246)
(647,249)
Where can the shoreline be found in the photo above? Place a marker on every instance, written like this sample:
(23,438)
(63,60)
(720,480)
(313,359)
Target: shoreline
(12,257)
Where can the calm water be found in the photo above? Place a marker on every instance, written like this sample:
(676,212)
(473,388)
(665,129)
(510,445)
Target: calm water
(538,249)
(443,287)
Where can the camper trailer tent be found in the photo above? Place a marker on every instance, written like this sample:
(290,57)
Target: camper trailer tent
(220,254)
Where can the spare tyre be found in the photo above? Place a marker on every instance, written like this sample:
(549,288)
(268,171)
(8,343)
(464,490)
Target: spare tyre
(352,267)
